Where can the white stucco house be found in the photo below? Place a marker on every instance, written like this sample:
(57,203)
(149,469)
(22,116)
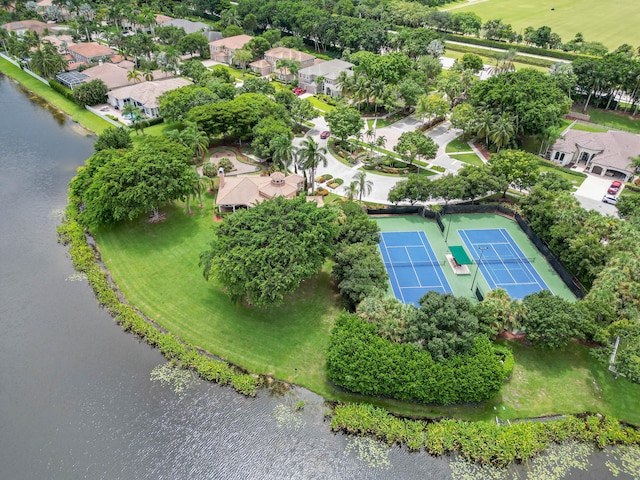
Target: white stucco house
(328,71)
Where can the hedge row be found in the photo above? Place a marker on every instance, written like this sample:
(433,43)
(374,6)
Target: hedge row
(482,442)
(538,62)
(84,260)
(545,52)
(62,90)
(361,361)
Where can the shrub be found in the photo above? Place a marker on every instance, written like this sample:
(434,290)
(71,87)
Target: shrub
(481,442)
(363,362)
(321,179)
(226,164)
(321,191)
(333,185)
(339,181)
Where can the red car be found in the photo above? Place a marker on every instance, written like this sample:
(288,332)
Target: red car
(614,187)
(325,135)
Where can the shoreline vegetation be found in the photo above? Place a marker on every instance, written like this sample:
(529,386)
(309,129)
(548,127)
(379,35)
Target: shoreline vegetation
(480,441)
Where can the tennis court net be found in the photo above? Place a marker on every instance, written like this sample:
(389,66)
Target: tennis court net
(488,261)
(432,263)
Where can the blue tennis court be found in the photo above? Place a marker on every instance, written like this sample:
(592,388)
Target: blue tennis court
(412,265)
(502,263)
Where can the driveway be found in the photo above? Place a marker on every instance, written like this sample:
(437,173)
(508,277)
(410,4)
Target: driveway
(590,194)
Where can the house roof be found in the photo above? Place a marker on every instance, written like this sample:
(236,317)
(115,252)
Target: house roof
(615,147)
(33,25)
(251,189)
(281,53)
(212,36)
(232,43)
(330,69)
(147,93)
(91,50)
(260,64)
(58,40)
(187,25)
(160,19)
(113,76)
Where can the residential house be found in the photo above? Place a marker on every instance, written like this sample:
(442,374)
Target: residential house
(601,153)
(245,191)
(261,67)
(222,50)
(61,42)
(90,52)
(23,25)
(281,53)
(328,72)
(116,75)
(144,95)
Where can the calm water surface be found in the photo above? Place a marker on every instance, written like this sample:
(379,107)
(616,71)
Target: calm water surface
(76,398)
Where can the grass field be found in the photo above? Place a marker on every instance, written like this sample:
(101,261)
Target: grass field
(457,51)
(469,158)
(457,145)
(609,23)
(615,120)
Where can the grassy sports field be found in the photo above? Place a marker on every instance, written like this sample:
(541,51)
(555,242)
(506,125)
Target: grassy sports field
(611,23)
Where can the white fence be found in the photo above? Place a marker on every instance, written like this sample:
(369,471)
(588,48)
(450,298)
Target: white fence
(17,64)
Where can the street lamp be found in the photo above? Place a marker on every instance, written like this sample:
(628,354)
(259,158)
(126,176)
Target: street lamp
(482,250)
(446,238)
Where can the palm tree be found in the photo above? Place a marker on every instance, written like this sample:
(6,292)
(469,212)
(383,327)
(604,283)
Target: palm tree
(283,152)
(363,186)
(46,61)
(147,75)
(311,155)
(485,125)
(292,65)
(376,92)
(345,83)
(134,75)
(502,131)
(361,89)
(351,190)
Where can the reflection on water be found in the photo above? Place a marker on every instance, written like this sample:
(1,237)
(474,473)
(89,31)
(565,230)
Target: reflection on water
(79,398)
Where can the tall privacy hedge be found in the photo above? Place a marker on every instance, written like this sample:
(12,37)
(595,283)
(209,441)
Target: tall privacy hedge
(363,362)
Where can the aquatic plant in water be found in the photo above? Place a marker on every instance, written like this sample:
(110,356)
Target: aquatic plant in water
(370,451)
(168,374)
(558,461)
(627,461)
(288,417)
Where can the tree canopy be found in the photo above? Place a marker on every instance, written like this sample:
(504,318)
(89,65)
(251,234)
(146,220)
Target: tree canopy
(116,185)
(262,254)
(532,98)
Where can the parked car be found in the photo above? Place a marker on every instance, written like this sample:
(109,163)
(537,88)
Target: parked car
(608,198)
(614,187)
(326,134)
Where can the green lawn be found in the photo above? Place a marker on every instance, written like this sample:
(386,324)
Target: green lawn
(320,105)
(457,51)
(576,178)
(458,145)
(156,267)
(614,120)
(381,123)
(78,114)
(572,381)
(470,158)
(605,22)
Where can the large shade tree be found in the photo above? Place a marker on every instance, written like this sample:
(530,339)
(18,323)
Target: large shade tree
(262,254)
(115,186)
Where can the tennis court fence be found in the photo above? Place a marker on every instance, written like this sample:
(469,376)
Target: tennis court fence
(567,277)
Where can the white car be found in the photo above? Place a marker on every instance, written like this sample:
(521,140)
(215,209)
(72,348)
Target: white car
(608,198)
